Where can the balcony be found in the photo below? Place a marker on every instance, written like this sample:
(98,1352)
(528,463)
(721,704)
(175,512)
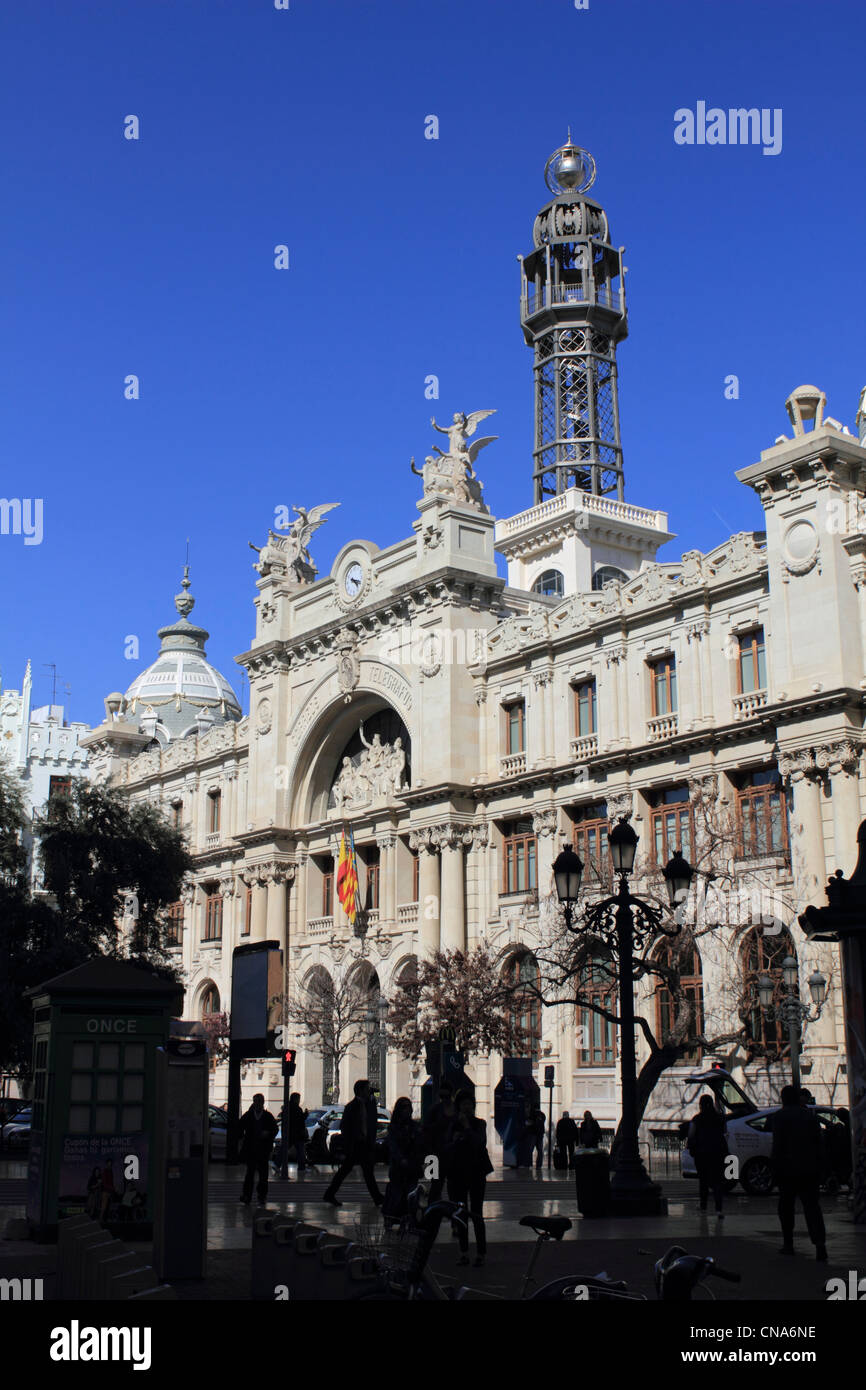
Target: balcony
(512,764)
(539,298)
(407,914)
(747,706)
(586,746)
(663,726)
(212,839)
(318,927)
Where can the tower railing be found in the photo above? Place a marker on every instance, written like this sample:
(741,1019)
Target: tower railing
(539,297)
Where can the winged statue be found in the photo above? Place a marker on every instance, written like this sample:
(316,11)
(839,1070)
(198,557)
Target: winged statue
(458,433)
(289,550)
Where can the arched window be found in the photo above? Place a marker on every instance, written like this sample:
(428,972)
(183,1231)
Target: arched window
(604,574)
(210,1001)
(376,1044)
(521,973)
(596,1036)
(551,584)
(684,958)
(763,954)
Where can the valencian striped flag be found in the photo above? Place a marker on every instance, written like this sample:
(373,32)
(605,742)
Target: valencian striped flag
(347,877)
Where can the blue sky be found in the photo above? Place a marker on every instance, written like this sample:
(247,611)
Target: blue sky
(261,387)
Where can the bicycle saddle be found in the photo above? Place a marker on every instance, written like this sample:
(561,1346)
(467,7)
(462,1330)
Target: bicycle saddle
(554,1226)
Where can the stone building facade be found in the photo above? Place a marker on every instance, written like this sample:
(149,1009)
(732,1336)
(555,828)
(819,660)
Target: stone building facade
(464,725)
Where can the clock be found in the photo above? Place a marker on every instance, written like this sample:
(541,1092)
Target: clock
(353,580)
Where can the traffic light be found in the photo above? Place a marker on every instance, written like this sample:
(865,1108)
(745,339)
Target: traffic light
(289,1061)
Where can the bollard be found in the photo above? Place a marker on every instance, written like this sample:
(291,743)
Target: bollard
(262,1263)
(68,1230)
(126,1263)
(87,1240)
(94,1256)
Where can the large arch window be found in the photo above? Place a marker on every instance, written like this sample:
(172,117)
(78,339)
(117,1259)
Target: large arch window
(686,959)
(605,574)
(210,1001)
(763,954)
(550,584)
(596,1036)
(521,973)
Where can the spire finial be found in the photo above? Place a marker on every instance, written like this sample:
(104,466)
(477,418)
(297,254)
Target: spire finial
(569,168)
(184,603)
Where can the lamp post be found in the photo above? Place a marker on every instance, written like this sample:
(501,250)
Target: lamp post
(844,920)
(789,1008)
(621,921)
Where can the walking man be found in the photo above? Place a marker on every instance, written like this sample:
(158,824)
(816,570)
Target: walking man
(538,1134)
(358,1138)
(258,1129)
(566,1137)
(797,1158)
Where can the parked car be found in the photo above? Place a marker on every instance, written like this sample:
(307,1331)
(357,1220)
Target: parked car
(750,1137)
(16,1134)
(217,1133)
(335,1148)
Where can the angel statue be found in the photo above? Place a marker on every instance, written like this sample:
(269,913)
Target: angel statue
(458,433)
(288,551)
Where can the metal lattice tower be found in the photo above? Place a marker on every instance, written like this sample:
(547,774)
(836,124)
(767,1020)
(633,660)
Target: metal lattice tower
(572,310)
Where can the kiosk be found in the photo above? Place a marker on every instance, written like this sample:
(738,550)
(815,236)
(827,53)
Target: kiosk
(96,1031)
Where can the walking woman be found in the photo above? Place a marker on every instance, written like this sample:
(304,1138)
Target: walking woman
(468,1167)
(707,1143)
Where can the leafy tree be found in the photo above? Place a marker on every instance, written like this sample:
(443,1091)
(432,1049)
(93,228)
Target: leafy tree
(333,1015)
(106,860)
(99,855)
(464,990)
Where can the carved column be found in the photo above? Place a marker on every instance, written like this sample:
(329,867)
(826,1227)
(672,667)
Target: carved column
(481,702)
(843,762)
(476,874)
(545,824)
(231,931)
(387,844)
(429,892)
(807,851)
(618,726)
(229,818)
(452,934)
(541,681)
(258,923)
(299,895)
(696,633)
(190,791)
(277,878)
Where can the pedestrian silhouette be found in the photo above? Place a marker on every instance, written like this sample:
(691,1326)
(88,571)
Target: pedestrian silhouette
(566,1138)
(405,1159)
(468,1168)
(589,1134)
(538,1134)
(797,1159)
(257,1132)
(708,1145)
(436,1133)
(358,1139)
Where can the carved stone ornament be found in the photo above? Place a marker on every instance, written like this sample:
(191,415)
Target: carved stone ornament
(800,548)
(348,661)
(377,775)
(264,715)
(620,805)
(545,821)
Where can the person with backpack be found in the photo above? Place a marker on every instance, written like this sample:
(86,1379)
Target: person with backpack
(707,1143)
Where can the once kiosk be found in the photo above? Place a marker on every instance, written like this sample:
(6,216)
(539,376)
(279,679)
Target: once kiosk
(96,1032)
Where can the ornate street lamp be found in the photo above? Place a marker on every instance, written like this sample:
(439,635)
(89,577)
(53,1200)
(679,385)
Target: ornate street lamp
(844,920)
(621,921)
(789,1010)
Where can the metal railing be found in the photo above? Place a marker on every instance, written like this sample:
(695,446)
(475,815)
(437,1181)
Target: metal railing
(534,299)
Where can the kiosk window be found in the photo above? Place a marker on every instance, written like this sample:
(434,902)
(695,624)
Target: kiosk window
(109,1056)
(82,1056)
(106,1088)
(81,1086)
(104,1119)
(133,1088)
(133,1058)
(79,1118)
(109,1100)
(132,1117)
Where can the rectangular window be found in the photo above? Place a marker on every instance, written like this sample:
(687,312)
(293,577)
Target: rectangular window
(177,814)
(663,675)
(248,913)
(752,664)
(590,839)
(596,1039)
(762,814)
(59,786)
(100,1101)
(586,718)
(371,899)
(671,825)
(213,921)
(328,888)
(174,932)
(518,857)
(515,727)
(213,815)
(416,876)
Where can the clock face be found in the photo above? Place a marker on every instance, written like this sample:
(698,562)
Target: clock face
(353,580)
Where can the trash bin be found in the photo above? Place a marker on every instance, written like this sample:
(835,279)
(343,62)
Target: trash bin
(592,1175)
